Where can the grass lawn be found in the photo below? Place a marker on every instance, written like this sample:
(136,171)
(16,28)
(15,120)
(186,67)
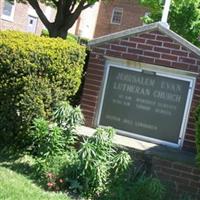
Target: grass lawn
(18,180)
(14,186)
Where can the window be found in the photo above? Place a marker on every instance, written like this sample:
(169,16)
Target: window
(32,24)
(117,16)
(8,10)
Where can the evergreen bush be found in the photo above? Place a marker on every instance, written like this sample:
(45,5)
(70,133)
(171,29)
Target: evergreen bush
(36,72)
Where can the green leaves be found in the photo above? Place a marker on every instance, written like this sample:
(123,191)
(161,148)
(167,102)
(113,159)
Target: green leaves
(53,138)
(53,142)
(121,162)
(184,17)
(88,170)
(148,189)
(36,73)
(99,162)
(97,169)
(67,116)
(62,113)
(47,139)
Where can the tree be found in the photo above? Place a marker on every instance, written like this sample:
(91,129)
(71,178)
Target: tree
(67,12)
(184,17)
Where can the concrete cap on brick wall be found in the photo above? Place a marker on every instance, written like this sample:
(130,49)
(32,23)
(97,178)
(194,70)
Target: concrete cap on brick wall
(146,28)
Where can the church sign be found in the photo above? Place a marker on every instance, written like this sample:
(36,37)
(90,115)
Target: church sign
(146,104)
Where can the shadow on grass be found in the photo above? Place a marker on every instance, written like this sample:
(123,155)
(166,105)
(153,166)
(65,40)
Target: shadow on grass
(18,162)
(22,168)
(9,155)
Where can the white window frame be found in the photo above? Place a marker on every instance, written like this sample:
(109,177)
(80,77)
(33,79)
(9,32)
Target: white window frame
(116,9)
(6,17)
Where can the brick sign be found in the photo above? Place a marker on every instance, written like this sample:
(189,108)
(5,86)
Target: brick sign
(145,104)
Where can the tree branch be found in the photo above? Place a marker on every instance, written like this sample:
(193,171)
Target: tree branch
(79,8)
(70,19)
(36,7)
(73,5)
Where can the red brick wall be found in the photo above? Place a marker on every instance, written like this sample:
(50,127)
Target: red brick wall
(154,48)
(182,178)
(132,12)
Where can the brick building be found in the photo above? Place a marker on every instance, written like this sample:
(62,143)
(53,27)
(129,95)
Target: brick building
(118,15)
(22,17)
(113,95)
(150,47)
(104,18)
(100,19)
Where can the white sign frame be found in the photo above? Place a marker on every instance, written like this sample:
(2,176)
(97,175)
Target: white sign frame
(160,71)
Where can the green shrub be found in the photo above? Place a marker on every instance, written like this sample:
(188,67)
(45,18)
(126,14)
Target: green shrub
(53,144)
(47,139)
(98,163)
(143,188)
(54,138)
(45,33)
(88,170)
(54,165)
(68,118)
(97,169)
(36,72)
(72,37)
(147,188)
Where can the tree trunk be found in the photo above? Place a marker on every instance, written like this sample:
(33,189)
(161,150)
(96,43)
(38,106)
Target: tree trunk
(65,17)
(55,32)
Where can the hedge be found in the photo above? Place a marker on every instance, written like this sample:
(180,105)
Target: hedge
(36,72)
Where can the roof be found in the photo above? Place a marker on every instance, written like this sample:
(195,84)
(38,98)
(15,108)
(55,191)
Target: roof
(146,28)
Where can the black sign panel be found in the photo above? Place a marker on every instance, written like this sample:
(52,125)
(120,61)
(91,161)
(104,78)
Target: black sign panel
(144,103)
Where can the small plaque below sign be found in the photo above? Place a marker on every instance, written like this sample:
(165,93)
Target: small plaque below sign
(148,105)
